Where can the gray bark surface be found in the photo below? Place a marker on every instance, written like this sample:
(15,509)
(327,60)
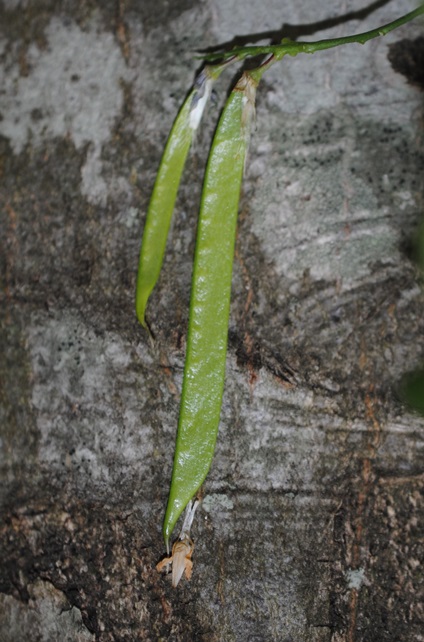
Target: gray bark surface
(310,526)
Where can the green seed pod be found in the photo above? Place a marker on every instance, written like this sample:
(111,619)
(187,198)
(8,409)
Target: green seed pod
(210,302)
(166,186)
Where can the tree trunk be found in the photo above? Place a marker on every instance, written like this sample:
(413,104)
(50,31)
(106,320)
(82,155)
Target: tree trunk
(309,526)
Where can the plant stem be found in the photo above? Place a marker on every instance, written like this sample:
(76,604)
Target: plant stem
(293,48)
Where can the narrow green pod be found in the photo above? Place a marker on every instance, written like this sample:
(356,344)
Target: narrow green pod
(210,302)
(166,186)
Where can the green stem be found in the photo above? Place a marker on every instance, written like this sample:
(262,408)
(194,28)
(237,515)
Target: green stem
(294,48)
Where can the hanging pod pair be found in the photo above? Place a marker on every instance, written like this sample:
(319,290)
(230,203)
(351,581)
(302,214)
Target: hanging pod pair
(204,370)
(211,283)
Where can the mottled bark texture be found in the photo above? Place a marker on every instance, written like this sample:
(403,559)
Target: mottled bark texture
(309,530)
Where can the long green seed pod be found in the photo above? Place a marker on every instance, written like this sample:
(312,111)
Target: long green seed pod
(210,302)
(166,186)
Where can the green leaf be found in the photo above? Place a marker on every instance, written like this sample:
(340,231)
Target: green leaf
(413,391)
(421,246)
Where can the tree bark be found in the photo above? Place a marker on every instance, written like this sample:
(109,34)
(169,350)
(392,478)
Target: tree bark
(309,528)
